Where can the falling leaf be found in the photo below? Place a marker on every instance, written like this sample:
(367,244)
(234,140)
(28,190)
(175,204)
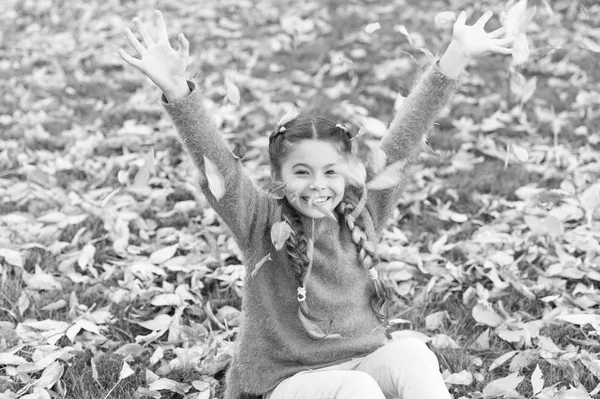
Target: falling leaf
(233,93)
(376,159)
(259,264)
(515,18)
(327,212)
(353,170)
(292,114)
(276,189)
(126,371)
(388,177)
(503,386)
(373,126)
(537,382)
(280,232)
(444,18)
(143,175)
(216,182)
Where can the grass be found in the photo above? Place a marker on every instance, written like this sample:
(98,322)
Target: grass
(96,101)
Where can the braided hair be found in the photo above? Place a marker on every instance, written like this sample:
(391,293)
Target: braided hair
(298,245)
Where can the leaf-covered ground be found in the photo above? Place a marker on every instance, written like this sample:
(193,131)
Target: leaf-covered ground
(117,280)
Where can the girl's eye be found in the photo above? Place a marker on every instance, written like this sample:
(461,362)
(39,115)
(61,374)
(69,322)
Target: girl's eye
(301,172)
(331,172)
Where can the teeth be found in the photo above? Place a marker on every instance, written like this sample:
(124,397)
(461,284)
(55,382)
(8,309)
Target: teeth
(319,200)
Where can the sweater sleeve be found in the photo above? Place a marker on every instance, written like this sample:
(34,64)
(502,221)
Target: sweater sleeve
(403,138)
(243,207)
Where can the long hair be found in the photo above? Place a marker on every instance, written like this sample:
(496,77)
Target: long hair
(298,244)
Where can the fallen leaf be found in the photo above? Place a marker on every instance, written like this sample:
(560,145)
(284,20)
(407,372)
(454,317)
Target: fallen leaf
(233,93)
(502,386)
(143,174)
(126,371)
(537,382)
(164,254)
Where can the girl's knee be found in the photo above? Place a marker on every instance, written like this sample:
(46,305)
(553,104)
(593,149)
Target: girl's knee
(413,350)
(360,385)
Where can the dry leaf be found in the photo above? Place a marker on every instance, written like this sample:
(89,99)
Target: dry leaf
(388,178)
(216,182)
(126,371)
(164,254)
(280,232)
(486,315)
(520,152)
(233,93)
(259,264)
(537,382)
(289,116)
(503,386)
(143,175)
(444,18)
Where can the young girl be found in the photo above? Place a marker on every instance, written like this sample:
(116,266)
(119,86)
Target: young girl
(312,314)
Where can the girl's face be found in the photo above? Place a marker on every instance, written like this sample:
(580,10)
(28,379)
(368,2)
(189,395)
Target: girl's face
(310,169)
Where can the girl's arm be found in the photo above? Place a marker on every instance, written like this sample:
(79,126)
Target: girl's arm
(243,207)
(430,95)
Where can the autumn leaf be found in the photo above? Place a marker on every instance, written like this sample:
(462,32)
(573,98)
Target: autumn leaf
(515,18)
(388,177)
(292,114)
(353,170)
(502,386)
(143,174)
(233,93)
(216,182)
(126,371)
(280,232)
(444,18)
(260,264)
(520,152)
(537,382)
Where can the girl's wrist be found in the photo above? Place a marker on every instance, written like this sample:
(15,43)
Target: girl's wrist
(177,91)
(454,60)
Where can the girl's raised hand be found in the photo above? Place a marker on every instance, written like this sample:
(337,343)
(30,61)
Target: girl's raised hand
(159,61)
(474,40)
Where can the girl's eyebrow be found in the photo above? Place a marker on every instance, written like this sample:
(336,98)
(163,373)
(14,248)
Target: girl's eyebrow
(308,167)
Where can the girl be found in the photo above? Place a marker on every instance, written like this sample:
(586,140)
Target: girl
(312,314)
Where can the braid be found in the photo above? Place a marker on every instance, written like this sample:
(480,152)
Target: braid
(297,248)
(368,259)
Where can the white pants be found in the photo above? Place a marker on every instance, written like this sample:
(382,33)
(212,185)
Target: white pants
(404,369)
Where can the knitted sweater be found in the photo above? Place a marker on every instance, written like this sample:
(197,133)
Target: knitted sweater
(272,344)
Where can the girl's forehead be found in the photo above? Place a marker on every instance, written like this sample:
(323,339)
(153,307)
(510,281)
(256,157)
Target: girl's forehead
(312,152)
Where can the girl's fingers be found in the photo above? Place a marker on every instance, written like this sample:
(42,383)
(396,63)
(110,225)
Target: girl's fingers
(462,19)
(503,42)
(484,19)
(135,43)
(129,59)
(148,41)
(501,50)
(184,46)
(497,33)
(160,24)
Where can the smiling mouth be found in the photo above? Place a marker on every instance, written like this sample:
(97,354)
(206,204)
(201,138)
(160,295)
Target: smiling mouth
(320,200)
